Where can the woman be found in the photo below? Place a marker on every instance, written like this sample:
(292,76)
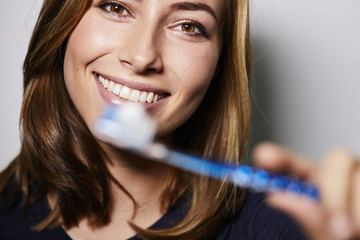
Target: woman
(188,64)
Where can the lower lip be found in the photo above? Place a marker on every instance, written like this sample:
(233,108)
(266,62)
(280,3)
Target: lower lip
(114,100)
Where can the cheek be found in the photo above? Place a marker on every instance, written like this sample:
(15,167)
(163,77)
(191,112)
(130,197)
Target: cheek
(81,89)
(88,41)
(196,69)
(82,48)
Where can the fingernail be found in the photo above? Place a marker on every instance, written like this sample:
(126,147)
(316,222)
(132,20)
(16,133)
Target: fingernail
(340,226)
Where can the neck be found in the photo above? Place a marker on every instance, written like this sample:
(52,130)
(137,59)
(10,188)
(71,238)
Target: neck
(142,178)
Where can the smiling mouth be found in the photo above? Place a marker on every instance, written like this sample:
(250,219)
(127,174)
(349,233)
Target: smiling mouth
(130,94)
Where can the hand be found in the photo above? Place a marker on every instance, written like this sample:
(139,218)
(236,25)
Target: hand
(337,215)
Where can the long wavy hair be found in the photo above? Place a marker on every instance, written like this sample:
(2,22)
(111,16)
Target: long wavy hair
(51,127)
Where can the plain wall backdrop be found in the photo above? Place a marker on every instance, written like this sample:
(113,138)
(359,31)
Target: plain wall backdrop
(17,19)
(307,73)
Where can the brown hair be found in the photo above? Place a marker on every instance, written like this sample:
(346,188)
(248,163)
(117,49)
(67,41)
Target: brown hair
(51,125)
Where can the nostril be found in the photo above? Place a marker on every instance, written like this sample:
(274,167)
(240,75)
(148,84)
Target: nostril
(142,60)
(146,65)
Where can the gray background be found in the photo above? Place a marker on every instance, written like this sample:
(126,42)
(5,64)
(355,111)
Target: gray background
(17,19)
(306,85)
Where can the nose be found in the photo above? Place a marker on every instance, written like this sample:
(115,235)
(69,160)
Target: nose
(142,52)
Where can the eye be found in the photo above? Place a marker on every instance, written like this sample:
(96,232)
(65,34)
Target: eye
(188,28)
(117,8)
(114,8)
(191,28)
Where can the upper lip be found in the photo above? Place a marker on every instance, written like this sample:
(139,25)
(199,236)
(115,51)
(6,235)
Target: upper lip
(134,85)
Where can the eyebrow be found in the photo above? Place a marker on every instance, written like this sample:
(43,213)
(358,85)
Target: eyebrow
(190,6)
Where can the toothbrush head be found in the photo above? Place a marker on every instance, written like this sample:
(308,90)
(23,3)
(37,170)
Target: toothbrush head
(127,126)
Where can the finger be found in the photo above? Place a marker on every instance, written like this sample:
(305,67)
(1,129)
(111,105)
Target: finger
(308,214)
(276,158)
(335,180)
(356,201)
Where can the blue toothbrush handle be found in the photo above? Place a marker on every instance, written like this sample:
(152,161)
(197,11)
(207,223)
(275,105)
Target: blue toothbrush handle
(242,176)
(260,180)
(135,131)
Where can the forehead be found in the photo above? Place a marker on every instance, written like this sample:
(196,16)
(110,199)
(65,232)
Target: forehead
(215,7)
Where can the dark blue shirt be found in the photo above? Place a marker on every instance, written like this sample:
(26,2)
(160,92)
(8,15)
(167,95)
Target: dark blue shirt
(256,220)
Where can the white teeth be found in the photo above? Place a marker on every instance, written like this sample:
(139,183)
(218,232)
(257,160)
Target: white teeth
(134,96)
(111,86)
(106,83)
(150,97)
(127,93)
(116,89)
(143,97)
(101,78)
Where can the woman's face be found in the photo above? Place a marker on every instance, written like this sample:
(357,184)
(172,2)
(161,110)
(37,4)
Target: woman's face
(160,54)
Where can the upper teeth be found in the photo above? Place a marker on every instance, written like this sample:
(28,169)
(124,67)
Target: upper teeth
(128,93)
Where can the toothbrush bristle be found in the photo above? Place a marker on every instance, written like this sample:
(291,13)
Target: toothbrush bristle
(127,126)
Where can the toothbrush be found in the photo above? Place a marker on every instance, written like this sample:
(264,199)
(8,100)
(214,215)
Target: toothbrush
(129,127)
